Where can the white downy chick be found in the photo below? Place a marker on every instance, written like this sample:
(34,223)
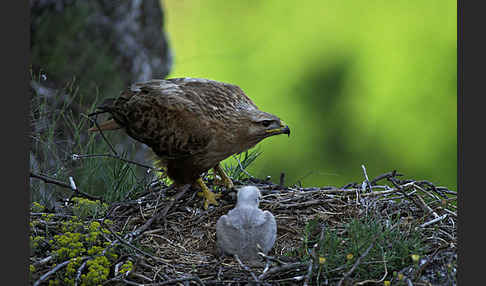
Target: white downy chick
(245,226)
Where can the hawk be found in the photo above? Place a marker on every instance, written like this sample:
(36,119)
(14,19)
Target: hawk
(191,125)
(245,226)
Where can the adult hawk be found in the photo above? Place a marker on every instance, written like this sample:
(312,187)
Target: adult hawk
(191,125)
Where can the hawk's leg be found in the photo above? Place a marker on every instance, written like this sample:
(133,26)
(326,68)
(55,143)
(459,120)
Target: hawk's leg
(226,181)
(209,197)
(161,172)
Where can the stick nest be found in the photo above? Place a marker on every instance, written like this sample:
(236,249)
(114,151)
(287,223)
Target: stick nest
(172,240)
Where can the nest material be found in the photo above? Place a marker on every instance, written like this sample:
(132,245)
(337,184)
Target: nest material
(171,240)
(183,237)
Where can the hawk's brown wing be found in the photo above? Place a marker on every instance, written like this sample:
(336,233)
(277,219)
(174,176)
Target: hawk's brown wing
(179,117)
(160,116)
(216,99)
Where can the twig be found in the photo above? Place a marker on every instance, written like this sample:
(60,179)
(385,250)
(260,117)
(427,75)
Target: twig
(241,167)
(271,258)
(96,113)
(54,270)
(139,276)
(267,266)
(384,275)
(378,193)
(449,212)
(95,121)
(78,273)
(246,268)
(282,179)
(123,241)
(174,281)
(168,240)
(309,273)
(117,267)
(147,224)
(385,176)
(426,207)
(447,191)
(428,260)
(367,181)
(356,263)
(434,220)
(127,282)
(295,278)
(403,191)
(433,187)
(283,268)
(42,261)
(52,214)
(303,204)
(77,156)
(72,184)
(50,180)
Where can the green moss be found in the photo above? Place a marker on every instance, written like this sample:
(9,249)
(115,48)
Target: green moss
(77,241)
(126,267)
(54,282)
(98,270)
(37,208)
(72,225)
(37,242)
(85,208)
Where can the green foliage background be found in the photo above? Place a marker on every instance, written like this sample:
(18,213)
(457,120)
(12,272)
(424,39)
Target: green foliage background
(358,82)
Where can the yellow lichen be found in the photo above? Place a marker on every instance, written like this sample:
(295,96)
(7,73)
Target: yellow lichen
(98,270)
(126,267)
(74,238)
(85,208)
(415,258)
(37,208)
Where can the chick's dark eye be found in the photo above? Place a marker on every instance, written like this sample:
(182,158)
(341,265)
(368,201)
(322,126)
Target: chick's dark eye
(266,123)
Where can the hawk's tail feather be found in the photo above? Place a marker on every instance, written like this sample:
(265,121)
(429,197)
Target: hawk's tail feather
(107,103)
(104,107)
(106,125)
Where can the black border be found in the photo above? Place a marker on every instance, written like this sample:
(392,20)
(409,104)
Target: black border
(15,51)
(460,189)
(460,185)
(470,119)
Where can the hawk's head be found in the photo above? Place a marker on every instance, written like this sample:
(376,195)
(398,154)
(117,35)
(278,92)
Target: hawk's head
(261,125)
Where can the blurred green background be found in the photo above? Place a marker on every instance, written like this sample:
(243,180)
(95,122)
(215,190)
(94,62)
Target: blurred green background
(358,82)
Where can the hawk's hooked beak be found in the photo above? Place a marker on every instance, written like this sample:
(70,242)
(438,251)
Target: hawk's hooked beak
(284,129)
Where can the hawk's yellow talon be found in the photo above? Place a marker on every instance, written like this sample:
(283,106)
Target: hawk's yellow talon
(209,197)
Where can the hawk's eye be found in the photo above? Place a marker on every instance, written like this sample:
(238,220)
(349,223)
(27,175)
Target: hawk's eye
(266,123)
